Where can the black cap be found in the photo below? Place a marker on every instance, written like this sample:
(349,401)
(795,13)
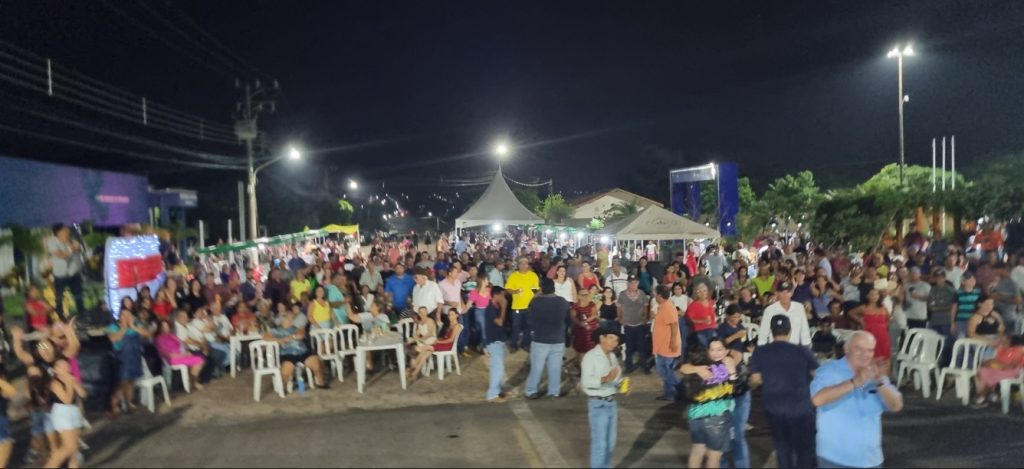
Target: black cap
(632,278)
(780,325)
(784,286)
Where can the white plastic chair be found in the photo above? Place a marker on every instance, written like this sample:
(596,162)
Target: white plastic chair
(146,384)
(445,359)
(181,369)
(406,327)
(967,355)
(348,339)
(266,361)
(325,343)
(1005,388)
(926,361)
(904,354)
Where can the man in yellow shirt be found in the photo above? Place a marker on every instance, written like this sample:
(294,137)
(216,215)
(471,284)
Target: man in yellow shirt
(300,285)
(522,284)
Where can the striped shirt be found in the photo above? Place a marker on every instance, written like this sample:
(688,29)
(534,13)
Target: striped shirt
(967,302)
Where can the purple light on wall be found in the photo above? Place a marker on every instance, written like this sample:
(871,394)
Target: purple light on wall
(40,194)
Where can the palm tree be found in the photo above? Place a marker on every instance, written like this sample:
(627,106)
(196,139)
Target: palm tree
(26,241)
(620,210)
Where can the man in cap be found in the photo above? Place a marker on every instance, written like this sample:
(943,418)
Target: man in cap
(800,333)
(600,376)
(784,371)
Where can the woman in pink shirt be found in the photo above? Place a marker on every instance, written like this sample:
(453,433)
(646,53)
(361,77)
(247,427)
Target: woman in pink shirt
(480,297)
(173,352)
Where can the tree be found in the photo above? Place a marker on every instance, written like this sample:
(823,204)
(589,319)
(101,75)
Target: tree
(347,211)
(620,210)
(595,224)
(26,242)
(793,198)
(554,209)
(529,198)
(852,215)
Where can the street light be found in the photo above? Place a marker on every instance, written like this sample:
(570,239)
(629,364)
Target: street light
(293,153)
(501,149)
(352,184)
(896,52)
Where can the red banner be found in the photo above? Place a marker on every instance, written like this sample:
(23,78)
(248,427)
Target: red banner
(132,272)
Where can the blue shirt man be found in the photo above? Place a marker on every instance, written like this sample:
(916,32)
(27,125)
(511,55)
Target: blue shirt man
(851,395)
(399,287)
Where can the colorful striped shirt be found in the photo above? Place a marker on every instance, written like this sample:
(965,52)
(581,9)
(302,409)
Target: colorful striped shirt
(967,302)
(716,397)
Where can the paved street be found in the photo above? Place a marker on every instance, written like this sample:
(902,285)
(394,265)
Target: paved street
(519,433)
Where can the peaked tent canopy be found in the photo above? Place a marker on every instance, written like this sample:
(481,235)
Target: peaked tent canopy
(497,205)
(656,223)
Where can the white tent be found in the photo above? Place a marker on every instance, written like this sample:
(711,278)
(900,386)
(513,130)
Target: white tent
(497,205)
(656,223)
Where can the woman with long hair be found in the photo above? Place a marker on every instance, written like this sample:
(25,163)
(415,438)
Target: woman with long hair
(875,319)
(174,352)
(587,278)
(647,281)
(564,286)
(445,340)
(126,336)
(608,317)
(712,375)
(319,309)
(480,298)
(585,322)
(65,414)
(701,314)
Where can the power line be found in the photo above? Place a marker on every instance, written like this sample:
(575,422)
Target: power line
(119,135)
(105,107)
(36,62)
(225,71)
(95,147)
(241,64)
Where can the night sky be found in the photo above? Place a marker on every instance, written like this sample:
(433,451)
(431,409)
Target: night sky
(587,90)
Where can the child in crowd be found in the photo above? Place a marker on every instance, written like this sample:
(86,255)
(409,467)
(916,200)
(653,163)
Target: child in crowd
(824,344)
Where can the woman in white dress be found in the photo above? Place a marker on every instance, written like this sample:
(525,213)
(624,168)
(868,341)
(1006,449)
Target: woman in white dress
(564,287)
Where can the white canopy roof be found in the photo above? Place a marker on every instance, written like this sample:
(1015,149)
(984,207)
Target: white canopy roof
(656,223)
(497,205)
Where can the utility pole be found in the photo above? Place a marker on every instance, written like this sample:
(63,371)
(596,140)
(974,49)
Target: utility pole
(255,100)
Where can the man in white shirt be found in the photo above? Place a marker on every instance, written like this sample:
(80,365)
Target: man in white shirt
(203,326)
(616,277)
(371,277)
(66,264)
(800,333)
(426,294)
(600,376)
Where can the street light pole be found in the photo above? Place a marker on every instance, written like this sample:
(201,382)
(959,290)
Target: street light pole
(899,66)
(293,153)
(898,54)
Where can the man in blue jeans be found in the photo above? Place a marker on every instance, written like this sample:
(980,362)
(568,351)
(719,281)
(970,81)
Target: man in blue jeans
(548,319)
(494,343)
(600,376)
(666,343)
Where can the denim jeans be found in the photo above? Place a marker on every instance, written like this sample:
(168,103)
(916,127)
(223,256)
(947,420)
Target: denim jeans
(480,314)
(794,438)
(740,416)
(464,335)
(638,340)
(826,464)
(684,332)
(961,329)
(667,371)
(545,357)
(520,337)
(947,348)
(705,336)
(220,353)
(497,352)
(603,416)
(74,283)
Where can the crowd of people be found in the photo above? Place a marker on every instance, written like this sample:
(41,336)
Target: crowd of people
(685,314)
